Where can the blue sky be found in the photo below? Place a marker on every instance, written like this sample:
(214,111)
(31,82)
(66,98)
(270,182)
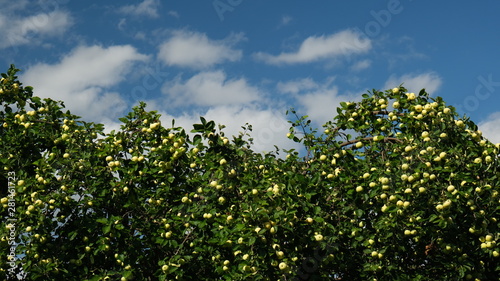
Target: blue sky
(239,61)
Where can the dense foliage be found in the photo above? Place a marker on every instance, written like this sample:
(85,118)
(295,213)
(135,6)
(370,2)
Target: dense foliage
(411,195)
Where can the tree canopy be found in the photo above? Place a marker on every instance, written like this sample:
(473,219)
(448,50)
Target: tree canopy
(397,186)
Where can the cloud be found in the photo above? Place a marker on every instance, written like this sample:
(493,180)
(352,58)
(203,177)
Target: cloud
(16,31)
(196,50)
(148,8)
(314,48)
(296,86)
(361,65)
(174,14)
(285,20)
(83,78)
(490,126)
(318,100)
(416,82)
(209,88)
(269,125)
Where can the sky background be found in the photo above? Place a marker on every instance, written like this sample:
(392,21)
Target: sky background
(239,61)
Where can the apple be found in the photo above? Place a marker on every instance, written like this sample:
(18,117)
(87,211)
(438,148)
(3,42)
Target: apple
(222,162)
(446,110)
(359,144)
(322,157)
(318,237)
(384,180)
(280,254)
(309,220)
(450,188)
(359,188)
(282,266)
(447,203)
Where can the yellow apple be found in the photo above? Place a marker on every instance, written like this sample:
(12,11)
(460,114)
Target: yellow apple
(282,266)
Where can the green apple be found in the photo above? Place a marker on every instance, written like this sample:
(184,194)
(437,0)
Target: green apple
(280,254)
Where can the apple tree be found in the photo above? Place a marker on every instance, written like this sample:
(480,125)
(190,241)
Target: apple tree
(396,187)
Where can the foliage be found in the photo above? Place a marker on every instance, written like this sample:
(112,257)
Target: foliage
(412,195)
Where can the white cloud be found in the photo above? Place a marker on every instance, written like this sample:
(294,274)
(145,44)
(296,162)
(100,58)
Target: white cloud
(490,126)
(148,8)
(318,100)
(174,14)
(209,88)
(196,50)
(296,86)
(16,31)
(82,80)
(269,126)
(361,65)
(416,82)
(285,20)
(314,48)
